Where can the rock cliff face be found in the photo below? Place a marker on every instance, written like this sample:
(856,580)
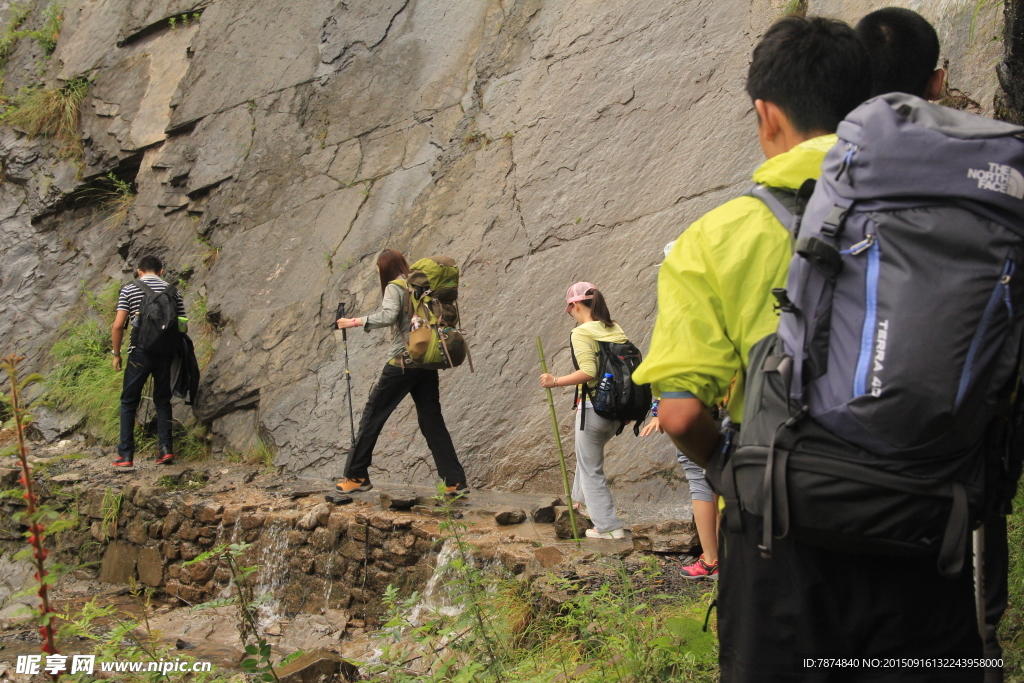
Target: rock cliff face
(278,146)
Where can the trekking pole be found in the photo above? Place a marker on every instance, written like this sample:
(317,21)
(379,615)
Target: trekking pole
(348,375)
(561,453)
(979,578)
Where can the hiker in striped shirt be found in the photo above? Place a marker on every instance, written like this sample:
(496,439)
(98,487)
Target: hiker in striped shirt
(142,365)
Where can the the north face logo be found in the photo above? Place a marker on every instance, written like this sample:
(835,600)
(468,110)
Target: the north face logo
(999,178)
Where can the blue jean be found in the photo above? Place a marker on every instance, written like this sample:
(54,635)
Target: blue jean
(136,371)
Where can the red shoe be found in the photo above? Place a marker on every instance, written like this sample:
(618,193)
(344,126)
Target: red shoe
(165,459)
(124,461)
(700,570)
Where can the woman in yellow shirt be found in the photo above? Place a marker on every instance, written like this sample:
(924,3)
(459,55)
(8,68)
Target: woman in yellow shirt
(587,307)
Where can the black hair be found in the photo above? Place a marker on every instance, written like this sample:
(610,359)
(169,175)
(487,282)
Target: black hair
(598,307)
(815,70)
(150,264)
(904,50)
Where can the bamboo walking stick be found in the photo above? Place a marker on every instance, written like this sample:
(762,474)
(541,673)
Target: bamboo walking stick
(561,453)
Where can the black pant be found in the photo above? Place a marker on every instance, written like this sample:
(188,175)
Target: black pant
(137,370)
(394,384)
(997,566)
(807,602)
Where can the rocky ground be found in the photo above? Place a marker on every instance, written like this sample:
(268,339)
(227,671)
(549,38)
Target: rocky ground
(325,561)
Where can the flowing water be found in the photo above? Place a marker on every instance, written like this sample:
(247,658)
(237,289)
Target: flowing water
(437,600)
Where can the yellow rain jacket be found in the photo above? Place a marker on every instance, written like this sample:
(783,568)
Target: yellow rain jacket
(714,289)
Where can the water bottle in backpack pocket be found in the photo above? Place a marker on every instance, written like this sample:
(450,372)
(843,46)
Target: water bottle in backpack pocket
(617,397)
(603,394)
(900,336)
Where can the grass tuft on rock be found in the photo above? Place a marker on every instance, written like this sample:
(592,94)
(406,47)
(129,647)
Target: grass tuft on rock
(52,113)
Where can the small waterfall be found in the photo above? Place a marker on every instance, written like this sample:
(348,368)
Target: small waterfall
(435,599)
(272,558)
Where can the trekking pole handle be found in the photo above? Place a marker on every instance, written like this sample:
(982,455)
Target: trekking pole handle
(340,313)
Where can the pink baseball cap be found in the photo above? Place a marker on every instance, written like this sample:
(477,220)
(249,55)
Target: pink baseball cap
(578,292)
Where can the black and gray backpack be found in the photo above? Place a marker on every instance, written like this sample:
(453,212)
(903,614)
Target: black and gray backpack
(156,326)
(878,418)
(628,402)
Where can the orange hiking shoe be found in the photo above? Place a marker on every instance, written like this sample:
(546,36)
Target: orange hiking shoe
(459,489)
(347,485)
(700,570)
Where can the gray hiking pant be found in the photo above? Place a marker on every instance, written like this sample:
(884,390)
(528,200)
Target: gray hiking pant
(589,485)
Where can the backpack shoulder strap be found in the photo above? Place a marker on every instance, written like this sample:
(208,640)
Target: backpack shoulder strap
(577,400)
(780,201)
(146,289)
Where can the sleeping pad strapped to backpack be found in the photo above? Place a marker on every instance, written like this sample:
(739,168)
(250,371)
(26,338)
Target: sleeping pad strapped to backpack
(874,413)
(432,292)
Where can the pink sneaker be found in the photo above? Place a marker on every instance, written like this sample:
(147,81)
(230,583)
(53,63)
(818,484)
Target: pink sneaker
(700,570)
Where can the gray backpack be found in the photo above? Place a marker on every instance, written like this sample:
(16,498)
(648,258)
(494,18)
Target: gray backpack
(869,415)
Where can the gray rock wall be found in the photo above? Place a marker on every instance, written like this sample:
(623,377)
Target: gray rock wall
(538,142)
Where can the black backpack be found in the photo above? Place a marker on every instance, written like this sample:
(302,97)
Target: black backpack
(156,326)
(629,401)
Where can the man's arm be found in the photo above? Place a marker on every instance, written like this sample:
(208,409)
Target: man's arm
(117,336)
(688,423)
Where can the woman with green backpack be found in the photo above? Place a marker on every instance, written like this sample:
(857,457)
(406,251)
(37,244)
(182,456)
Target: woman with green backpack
(396,381)
(586,305)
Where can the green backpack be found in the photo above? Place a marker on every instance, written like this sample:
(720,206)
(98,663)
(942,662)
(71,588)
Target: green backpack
(432,289)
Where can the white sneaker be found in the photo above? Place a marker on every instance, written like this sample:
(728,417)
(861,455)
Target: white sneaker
(613,535)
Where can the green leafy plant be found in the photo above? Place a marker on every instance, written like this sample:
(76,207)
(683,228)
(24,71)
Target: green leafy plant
(52,113)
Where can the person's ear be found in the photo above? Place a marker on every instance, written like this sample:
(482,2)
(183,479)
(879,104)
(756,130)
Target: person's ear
(768,122)
(933,90)
(138,272)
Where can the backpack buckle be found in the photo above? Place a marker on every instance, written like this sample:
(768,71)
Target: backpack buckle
(833,224)
(782,301)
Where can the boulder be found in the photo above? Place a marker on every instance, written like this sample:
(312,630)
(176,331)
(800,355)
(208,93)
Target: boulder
(510,516)
(544,513)
(563,524)
(672,536)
